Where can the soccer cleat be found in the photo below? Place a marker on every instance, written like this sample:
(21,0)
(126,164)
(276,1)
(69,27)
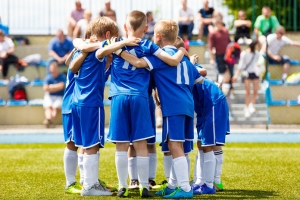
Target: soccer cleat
(74,188)
(134,184)
(151,183)
(204,189)
(165,191)
(196,188)
(96,190)
(219,187)
(144,192)
(111,188)
(123,192)
(180,194)
(160,186)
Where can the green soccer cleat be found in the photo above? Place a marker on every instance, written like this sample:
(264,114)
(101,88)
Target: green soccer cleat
(144,192)
(111,188)
(74,188)
(219,187)
(160,186)
(123,192)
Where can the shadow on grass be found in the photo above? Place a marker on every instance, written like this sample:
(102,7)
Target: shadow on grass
(226,194)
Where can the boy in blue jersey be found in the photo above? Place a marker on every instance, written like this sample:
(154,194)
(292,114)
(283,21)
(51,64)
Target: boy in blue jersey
(212,126)
(130,116)
(71,158)
(88,112)
(174,86)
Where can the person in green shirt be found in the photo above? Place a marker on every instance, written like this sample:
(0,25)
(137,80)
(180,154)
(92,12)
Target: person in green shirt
(265,24)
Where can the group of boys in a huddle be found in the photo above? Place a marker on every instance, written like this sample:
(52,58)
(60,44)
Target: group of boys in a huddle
(138,67)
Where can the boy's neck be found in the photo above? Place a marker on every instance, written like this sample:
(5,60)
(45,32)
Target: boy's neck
(165,43)
(135,34)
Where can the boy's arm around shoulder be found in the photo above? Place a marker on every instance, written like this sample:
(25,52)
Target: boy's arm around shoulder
(68,60)
(114,46)
(77,62)
(172,60)
(133,60)
(85,47)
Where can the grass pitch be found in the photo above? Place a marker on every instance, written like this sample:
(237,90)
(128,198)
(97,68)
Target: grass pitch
(250,171)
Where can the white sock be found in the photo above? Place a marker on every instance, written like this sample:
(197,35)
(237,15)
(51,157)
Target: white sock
(152,165)
(209,167)
(168,166)
(196,171)
(70,165)
(132,168)
(284,75)
(96,169)
(89,164)
(172,181)
(219,162)
(142,164)
(189,164)
(200,163)
(80,166)
(181,170)
(122,168)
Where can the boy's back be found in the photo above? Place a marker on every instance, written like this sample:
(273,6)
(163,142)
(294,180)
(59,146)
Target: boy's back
(174,84)
(90,81)
(125,78)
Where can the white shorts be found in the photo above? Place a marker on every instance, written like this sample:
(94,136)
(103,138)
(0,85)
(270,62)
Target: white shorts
(52,101)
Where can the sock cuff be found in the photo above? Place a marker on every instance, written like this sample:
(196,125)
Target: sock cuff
(142,158)
(121,153)
(179,159)
(70,152)
(152,155)
(219,152)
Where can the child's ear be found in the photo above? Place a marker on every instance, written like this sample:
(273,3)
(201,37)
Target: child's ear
(146,28)
(125,28)
(107,35)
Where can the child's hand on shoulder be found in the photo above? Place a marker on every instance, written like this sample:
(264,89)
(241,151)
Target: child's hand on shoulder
(194,58)
(133,41)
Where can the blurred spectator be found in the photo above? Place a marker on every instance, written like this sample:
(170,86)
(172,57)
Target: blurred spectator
(108,12)
(59,49)
(219,39)
(82,25)
(150,22)
(275,42)
(243,26)
(185,20)
(248,67)
(205,18)
(217,16)
(74,17)
(54,85)
(265,24)
(4,28)
(7,57)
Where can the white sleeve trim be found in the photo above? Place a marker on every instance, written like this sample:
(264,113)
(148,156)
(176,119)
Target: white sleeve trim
(100,59)
(199,79)
(157,52)
(150,66)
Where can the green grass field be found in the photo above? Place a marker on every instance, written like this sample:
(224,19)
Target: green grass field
(250,171)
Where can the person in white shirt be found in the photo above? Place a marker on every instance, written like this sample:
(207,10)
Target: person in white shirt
(7,48)
(275,42)
(82,24)
(250,66)
(185,20)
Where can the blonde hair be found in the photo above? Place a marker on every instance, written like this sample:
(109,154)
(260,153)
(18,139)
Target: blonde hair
(103,24)
(168,29)
(87,13)
(136,19)
(88,30)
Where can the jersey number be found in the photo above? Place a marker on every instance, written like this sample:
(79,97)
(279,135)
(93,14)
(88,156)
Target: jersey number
(126,64)
(182,77)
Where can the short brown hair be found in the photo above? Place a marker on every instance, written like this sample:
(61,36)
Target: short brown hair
(136,19)
(103,24)
(168,29)
(179,43)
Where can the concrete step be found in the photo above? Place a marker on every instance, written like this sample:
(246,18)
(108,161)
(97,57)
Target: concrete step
(291,51)
(23,51)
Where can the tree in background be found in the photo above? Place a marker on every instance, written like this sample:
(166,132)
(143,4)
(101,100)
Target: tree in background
(287,11)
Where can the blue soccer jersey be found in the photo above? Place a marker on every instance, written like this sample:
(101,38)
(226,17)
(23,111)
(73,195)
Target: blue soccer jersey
(90,82)
(125,78)
(206,95)
(174,84)
(68,98)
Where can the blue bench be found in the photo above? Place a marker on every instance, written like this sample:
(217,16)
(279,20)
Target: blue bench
(16,103)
